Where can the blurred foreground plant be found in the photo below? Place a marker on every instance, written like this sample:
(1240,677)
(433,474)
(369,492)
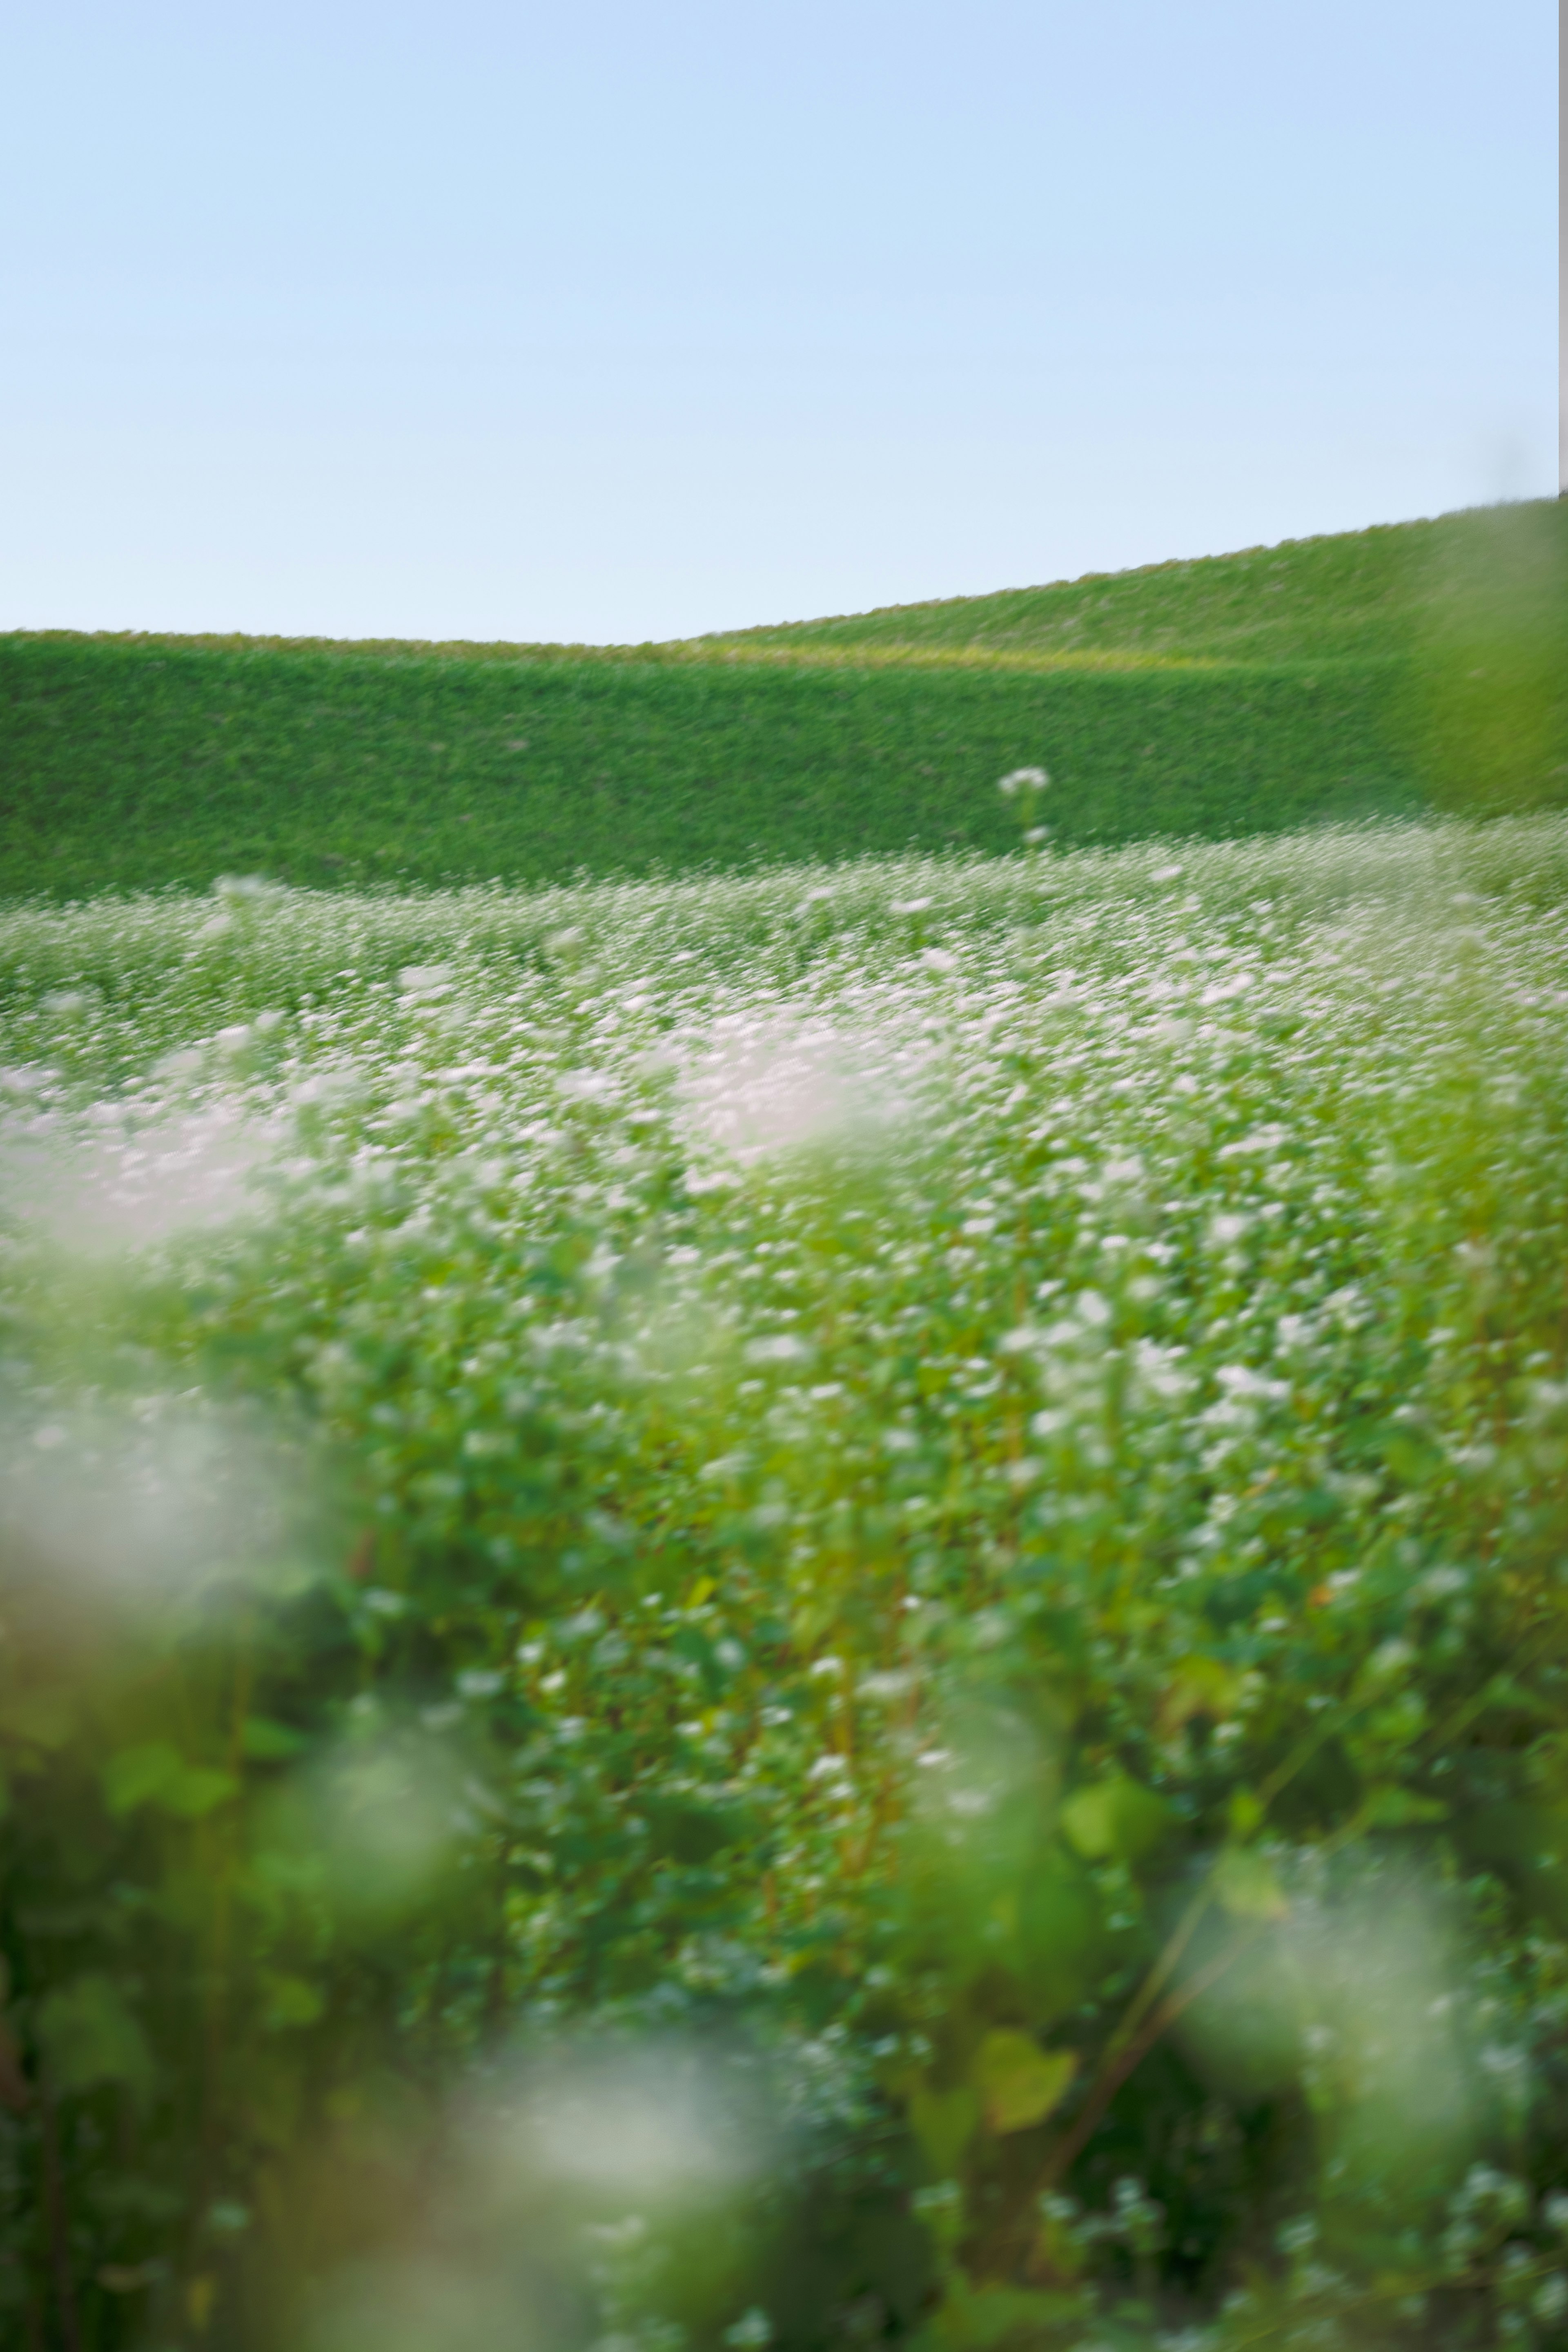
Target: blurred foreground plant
(1486,706)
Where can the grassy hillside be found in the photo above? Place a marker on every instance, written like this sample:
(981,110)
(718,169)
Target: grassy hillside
(1350,596)
(1239,694)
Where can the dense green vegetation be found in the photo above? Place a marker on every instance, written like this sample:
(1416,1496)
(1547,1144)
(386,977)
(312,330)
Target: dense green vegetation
(180,765)
(819,1608)
(1248,693)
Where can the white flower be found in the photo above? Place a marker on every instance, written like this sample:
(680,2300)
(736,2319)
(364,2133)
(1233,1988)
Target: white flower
(586,1085)
(785,1349)
(1023,779)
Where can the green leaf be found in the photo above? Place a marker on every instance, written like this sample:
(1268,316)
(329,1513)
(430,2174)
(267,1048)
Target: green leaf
(155,1773)
(1200,1685)
(1019,2082)
(43,1719)
(292,2000)
(270,1743)
(1245,1813)
(90,2036)
(133,1775)
(945,2123)
(1115,1817)
(1247,1884)
(1391,1808)
(197,1791)
(977,2319)
(1411,1461)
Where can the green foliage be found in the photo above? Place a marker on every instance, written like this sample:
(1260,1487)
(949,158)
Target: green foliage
(128,767)
(1241,694)
(823,1608)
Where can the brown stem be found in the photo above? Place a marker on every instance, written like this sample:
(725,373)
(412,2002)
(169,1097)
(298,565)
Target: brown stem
(1180,1937)
(496,1987)
(219,1839)
(215,1842)
(1109,2081)
(59,2226)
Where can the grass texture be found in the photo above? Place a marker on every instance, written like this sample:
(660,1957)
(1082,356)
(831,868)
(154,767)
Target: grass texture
(1241,694)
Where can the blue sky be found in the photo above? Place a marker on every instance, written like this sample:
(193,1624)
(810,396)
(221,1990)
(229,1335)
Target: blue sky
(617,323)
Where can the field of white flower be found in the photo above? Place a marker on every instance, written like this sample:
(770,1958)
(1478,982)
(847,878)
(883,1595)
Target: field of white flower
(814,1608)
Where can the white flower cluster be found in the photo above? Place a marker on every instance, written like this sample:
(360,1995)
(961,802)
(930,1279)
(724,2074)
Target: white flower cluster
(1051,1199)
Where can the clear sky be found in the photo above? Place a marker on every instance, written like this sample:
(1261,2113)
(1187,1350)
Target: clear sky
(606,322)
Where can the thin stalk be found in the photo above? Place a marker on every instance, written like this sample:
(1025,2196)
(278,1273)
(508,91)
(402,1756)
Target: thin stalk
(58,2219)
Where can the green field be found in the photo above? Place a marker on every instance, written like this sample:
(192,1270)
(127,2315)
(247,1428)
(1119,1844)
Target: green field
(815,1608)
(1249,693)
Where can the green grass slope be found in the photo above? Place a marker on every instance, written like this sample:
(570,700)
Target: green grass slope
(1234,695)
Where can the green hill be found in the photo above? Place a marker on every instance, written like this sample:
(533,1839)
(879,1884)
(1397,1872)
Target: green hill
(1235,694)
